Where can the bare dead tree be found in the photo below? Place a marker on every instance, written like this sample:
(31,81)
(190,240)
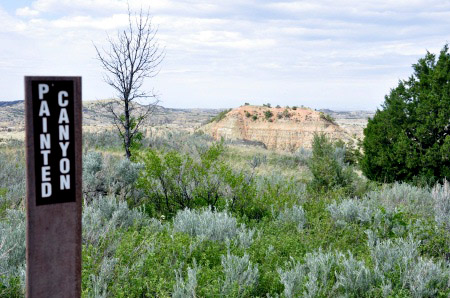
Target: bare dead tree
(133,56)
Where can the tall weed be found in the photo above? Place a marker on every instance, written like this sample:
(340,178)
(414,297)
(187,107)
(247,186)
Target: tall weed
(240,275)
(106,214)
(441,200)
(208,224)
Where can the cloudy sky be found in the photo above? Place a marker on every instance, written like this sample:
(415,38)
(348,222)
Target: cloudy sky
(336,54)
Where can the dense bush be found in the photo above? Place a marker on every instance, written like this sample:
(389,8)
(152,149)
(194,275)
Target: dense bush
(268,114)
(400,258)
(441,199)
(295,215)
(206,224)
(410,136)
(351,211)
(184,289)
(397,268)
(107,214)
(173,181)
(328,167)
(240,275)
(311,278)
(106,174)
(405,196)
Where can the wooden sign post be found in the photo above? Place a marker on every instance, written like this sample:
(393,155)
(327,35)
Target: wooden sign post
(53,150)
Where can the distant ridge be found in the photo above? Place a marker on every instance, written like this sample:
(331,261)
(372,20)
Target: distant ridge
(9,103)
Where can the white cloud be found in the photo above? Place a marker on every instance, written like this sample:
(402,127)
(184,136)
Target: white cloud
(107,23)
(26,12)
(317,50)
(70,7)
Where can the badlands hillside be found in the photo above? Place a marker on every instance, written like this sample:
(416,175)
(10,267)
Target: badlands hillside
(96,118)
(285,129)
(280,128)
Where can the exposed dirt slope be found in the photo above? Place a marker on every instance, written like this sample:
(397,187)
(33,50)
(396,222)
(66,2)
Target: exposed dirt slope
(277,128)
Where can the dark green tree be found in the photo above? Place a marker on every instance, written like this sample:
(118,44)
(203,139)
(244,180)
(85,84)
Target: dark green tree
(409,138)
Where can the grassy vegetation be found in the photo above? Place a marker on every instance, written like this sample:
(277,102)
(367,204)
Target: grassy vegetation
(189,217)
(220,116)
(327,117)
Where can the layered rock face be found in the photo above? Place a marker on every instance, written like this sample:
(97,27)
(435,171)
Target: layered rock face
(277,128)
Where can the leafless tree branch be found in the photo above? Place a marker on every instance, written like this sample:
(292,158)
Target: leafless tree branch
(133,56)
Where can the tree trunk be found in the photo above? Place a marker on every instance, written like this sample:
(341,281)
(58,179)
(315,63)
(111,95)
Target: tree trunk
(127,130)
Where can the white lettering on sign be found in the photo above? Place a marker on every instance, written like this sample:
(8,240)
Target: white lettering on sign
(43,89)
(45,154)
(64,165)
(64,182)
(45,141)
(44,110)
(63,117)
(46,189)
(60,98)
(64,147)
(63,121)
(45,173)
(44,124)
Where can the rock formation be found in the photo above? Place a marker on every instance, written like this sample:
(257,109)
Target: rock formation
(278,128)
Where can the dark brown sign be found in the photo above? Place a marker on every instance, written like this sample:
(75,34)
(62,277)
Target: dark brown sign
(53,142)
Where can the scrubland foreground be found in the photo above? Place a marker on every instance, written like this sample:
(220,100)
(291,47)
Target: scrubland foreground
(188,217)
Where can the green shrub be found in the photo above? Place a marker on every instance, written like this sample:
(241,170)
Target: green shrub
(220,116)
(352,154)
(327,117)
(295,215)
(109,175)
(206,224)
(268,114)
(240,275)
(441,199)
(328,167)
(275,191)
(184,289)
(255,117)
(107,214)
(173,181)
(405,196)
